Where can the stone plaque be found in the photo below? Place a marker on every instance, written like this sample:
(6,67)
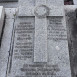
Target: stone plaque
(1,19)
(56,30)
(40,46)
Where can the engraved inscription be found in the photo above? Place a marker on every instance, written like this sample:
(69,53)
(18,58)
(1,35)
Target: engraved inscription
(56,30)
(22,64)
(39,70)
(23,47)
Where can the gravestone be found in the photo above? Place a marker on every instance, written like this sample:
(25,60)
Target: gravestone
(6,39)
(1,19)
(39,45)
(8,0)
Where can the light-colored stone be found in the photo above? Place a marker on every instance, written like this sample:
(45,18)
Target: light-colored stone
(10,13)
(35,11)
(75,2)
(29,11)
(5,47)
(6,42)
(40,43)
(9,4)
(44,31)
(1,19)
(55,2)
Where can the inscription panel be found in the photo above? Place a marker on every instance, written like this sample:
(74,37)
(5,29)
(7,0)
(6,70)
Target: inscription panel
(24,32)
(56,29)
(23,65)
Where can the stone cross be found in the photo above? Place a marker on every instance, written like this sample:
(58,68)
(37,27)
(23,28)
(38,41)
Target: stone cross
(41,10)
(48,46)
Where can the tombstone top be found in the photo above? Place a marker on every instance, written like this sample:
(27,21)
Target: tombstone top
(49,2)
(27,7)
(40,9)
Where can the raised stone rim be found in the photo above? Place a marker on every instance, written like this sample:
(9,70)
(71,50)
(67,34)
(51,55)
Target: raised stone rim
(43,15)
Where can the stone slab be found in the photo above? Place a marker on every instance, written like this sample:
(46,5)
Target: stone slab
(6,44)
(40,42)
(29,11)
(5,47)
(55,2)
(1,19)
(50,2)
(55,6)
(22,54)
(23,50)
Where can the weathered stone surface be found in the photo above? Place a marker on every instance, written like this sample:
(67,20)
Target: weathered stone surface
(40,40)
(25,58)
(40,32)
(55,2)
(6,42)
(1,19)
(10,13)
(29,11)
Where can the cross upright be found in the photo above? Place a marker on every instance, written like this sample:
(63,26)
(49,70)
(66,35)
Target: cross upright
(41,10)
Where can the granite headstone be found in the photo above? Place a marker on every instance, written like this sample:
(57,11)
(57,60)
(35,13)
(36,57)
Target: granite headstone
(40,45)
(6,39)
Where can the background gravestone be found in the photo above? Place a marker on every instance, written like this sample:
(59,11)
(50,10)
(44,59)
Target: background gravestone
(25,60)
